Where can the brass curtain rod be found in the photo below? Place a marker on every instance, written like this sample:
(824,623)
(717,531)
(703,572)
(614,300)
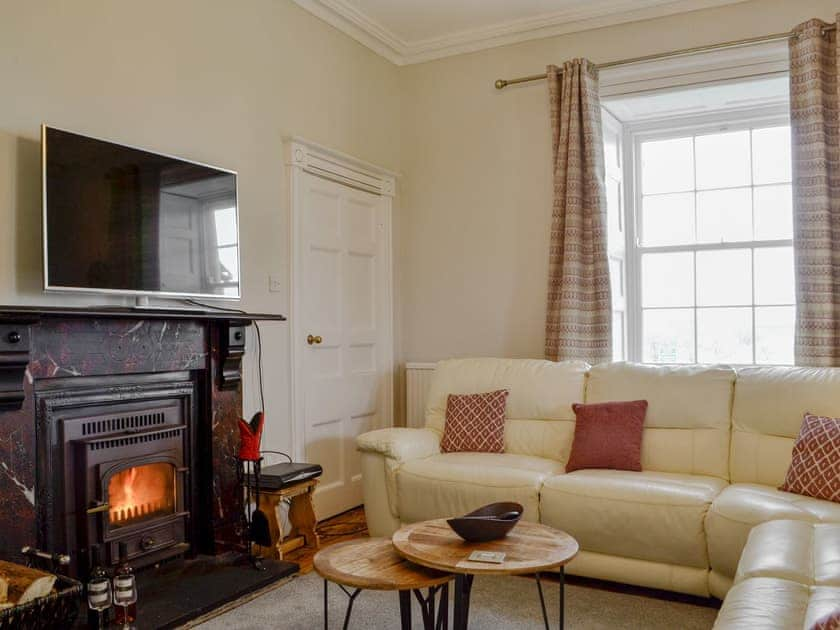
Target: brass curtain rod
(503,83)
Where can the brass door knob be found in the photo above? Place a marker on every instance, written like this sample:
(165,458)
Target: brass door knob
(310,339)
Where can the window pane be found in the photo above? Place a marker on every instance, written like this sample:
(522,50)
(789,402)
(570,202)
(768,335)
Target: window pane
(668,336)
(612,149)
(774,334)
(616,279)
(667,279)
(618,336)
(774,283)
(724,216)
(771,155)
(230,263)
(723,160)
(724,335)
(724,277)
(615,237)
(773,212)
(667,166)
(668,219)
(225,219)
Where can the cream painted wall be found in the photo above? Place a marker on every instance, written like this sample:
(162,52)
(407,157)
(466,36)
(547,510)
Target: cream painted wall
(476,192)
(212,80)
(223,82)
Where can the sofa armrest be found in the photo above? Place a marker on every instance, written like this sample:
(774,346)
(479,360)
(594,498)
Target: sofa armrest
(400,444)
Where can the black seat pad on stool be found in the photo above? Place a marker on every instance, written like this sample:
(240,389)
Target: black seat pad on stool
(279,476)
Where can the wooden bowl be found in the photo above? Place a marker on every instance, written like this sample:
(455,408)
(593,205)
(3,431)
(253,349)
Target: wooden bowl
(485,523)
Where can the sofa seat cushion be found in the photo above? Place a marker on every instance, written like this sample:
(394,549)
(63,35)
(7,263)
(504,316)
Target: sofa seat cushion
(452,484)
(650,516)
(742,506)
(765,603)
(803,552)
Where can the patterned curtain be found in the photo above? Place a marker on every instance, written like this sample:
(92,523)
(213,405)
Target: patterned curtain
(816,192)
(579,313)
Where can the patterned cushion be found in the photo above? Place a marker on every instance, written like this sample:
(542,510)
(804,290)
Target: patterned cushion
(475,422)
(815,468)
(829,622)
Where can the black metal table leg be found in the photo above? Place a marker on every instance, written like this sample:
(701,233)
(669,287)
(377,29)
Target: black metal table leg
(562,597)
(432,621)
(405,610)
(352,596)
(562,576)
(463,584)
(326,608)
(542,602)
(443,609)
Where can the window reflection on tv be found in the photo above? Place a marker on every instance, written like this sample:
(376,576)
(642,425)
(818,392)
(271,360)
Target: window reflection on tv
(120,219)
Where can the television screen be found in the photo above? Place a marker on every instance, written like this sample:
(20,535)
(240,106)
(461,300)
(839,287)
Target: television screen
(124,220)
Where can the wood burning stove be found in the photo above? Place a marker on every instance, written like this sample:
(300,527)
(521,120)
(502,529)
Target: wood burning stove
(132,490)
(122,458)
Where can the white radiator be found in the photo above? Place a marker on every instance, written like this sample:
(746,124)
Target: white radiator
(417,378)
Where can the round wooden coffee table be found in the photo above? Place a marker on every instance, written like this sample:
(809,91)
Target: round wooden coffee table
(372,563)
(529,548)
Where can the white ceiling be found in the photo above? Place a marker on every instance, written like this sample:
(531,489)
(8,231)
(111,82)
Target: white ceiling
(411,31)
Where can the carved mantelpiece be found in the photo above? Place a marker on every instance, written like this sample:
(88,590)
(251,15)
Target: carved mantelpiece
(14,357)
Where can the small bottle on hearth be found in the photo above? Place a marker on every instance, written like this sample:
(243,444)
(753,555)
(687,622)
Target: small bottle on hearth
(125,591)
(98,592)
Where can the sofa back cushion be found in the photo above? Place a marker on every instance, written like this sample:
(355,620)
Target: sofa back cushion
(540,420)
(767,413)
(687,423)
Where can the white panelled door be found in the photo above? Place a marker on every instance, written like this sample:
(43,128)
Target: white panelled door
(344,330)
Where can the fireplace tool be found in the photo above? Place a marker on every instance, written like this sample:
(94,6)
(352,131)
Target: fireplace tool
(256,523)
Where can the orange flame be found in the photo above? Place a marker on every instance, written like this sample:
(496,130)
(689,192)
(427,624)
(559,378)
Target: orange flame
(141,492)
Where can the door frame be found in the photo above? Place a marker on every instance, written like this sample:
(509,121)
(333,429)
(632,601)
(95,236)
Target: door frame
(305,157)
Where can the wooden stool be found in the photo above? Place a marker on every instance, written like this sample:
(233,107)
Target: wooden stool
(301,517)
(372,563)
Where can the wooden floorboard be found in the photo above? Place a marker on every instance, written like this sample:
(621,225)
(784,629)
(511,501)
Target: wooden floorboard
(346,526)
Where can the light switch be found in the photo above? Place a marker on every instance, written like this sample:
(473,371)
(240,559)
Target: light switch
(275,284)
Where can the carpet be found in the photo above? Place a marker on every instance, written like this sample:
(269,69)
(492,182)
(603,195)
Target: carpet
(497,603)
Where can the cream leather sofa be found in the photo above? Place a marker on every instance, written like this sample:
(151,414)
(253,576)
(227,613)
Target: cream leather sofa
(788,577)
(716,446)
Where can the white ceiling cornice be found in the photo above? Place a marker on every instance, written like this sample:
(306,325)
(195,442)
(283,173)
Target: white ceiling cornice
(350,20)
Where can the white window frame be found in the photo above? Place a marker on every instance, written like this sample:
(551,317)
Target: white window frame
(634,135)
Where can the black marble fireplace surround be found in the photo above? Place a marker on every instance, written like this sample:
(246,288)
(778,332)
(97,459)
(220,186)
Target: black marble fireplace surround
(91,397)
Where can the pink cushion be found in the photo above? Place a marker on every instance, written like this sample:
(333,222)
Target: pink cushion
(829,622)
(475,422)
(815,468)
(608,435)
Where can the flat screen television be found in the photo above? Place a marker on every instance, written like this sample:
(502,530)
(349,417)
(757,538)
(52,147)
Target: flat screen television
(122,220)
